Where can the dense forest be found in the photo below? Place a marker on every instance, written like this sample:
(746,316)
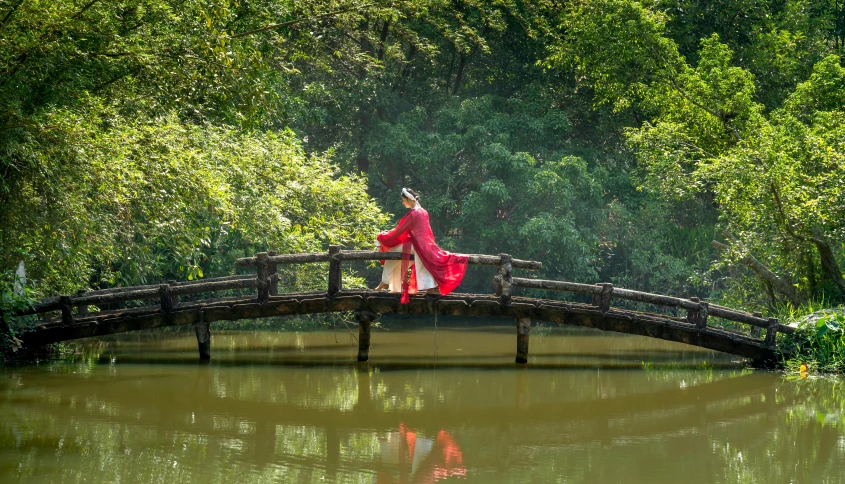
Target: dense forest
(686,147)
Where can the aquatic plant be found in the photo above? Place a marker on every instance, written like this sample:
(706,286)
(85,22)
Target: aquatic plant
(818,344)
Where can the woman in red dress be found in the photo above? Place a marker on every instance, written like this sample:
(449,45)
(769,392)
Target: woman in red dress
(434,270)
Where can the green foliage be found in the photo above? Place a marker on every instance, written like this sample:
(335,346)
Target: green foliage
(775,177)
(494,174)
(819,342)
(123,202)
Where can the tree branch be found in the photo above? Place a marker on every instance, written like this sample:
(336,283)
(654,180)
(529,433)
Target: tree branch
(761,270)
(299,20)
(789,228)
(46,35)
(86,7)
(8,15)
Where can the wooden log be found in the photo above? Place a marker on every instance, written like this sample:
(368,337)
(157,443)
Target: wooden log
(772,332)
(116,290)
(365,319)
(67,310)
(335,274)
(657,299)
(474,259)
(556,285)
(698,316)
(523,330)
(504,281)
(602,299)
(494,260)
(166,299)
(273,270)
(738,316)
(203,331)
(372,255)
(102,299)
(149,292)
(241,282)
(262,268)
(209,280)
(44,305)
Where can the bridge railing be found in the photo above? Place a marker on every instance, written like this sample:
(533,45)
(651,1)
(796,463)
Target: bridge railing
(266,280)
(266,263)
(697,311)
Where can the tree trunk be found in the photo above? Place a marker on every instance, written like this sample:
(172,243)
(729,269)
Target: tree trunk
(830,267)
(385,29)
(781,286)
(459,77)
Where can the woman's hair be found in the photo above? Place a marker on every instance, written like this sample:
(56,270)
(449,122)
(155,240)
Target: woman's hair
(412,192)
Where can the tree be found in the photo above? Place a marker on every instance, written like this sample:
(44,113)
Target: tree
(150,199)
(706,135)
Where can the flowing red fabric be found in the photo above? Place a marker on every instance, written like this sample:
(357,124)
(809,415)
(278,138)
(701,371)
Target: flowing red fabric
(446,268)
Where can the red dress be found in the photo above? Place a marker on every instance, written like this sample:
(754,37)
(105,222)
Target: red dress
(446,268)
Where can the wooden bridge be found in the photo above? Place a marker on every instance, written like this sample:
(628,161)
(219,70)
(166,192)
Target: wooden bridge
(73,318)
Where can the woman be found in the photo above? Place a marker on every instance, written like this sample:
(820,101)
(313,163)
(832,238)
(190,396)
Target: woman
(434,270)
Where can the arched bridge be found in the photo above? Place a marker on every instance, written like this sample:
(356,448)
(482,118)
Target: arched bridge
(73,317)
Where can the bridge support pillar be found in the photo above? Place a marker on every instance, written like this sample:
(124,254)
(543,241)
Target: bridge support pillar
(365,318)
(203,332)
(523,330)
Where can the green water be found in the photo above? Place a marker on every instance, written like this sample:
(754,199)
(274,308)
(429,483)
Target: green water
(294,407)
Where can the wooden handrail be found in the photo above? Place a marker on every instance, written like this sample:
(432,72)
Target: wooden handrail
(304,258)
(658,299)
(557,285)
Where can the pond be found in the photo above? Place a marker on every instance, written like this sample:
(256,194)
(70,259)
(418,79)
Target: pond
(450,405)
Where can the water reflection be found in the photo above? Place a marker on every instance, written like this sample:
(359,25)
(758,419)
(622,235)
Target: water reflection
(411,456)
(111,420)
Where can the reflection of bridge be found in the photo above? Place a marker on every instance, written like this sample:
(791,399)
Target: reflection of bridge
(694,329)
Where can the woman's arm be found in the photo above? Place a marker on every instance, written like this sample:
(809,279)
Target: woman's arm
(399,234)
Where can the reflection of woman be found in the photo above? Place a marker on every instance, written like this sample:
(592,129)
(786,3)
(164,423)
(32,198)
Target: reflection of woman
(411,457)
(434,270)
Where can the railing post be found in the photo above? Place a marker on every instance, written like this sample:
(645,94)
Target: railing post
(82,309)
(166,298)
(771,332)
(698,317)
(603,300)
(203,332)
(335,281)
(273,276)
(504,279)
(365,318)
(523,330)
(262,269)
(174,299)
(67,310)
(756,330)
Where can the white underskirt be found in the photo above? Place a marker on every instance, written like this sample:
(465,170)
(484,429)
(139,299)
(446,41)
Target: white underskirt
(393,278)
